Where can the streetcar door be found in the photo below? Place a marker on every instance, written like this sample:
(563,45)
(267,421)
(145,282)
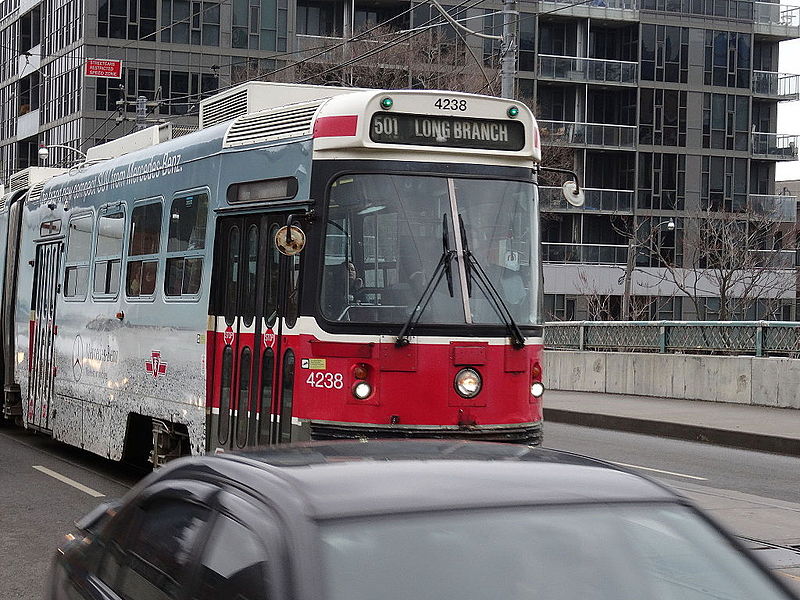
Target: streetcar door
(43,331)
(246,340)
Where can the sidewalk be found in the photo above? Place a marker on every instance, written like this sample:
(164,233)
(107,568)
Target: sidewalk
(741,426)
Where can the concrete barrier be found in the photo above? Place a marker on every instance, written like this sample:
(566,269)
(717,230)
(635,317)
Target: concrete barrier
(737,379)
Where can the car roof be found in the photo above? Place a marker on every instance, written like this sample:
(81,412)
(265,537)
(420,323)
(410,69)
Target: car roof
(356,478)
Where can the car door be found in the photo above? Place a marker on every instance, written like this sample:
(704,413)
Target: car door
(243,555)
(148,550)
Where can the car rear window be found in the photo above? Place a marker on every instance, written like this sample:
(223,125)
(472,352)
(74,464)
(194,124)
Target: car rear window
(593,552)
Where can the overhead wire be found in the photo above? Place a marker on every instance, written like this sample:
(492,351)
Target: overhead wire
(409,34)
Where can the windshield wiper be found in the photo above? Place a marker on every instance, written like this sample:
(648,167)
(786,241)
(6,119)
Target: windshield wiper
(472,266)
(442,269)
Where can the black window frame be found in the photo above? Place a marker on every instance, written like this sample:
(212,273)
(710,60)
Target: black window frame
(106,209)
(156,257)
(76,265)
(188,254)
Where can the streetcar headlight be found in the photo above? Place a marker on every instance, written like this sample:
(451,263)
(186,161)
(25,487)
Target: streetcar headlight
(537,389)
(362,390)
(468,383)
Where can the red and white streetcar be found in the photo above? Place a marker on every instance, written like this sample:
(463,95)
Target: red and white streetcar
(313,263)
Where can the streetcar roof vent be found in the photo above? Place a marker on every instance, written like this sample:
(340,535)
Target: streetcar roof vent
(137,140)
(293,121)
(227,107)
(255,96)
(36,193)
(31,176)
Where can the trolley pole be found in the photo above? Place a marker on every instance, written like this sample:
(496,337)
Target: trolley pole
(508,50)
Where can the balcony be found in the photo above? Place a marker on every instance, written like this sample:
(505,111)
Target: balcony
(776,146)
(597,135)
(315,45)
(777,86)
(597,200)
(782,209)
(777,259)
(612,10)
(778,20)
(590,254)
(593,70)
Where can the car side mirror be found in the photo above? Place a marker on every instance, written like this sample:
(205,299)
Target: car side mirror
(98,516)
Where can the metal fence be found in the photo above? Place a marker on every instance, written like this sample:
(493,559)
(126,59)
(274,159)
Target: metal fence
(754,338)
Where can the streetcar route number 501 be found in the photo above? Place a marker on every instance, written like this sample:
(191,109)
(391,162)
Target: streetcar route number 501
(320,379)
(450,104)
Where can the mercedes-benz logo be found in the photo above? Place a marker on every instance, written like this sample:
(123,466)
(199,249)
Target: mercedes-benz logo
(77,358)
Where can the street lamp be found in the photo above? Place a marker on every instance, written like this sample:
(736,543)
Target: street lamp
(44,151)
(626,296)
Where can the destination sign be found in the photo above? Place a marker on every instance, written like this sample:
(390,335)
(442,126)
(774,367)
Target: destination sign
(451,132)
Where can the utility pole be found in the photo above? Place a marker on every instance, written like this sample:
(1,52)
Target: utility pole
(141,113)
(626,294)
(508,49)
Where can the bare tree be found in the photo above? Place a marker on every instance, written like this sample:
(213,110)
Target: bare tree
(735,257)
(388,59)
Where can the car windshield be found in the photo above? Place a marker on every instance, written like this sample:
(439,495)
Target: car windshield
(386,234)
(598,552)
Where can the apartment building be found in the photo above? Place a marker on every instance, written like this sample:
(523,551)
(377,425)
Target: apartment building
(666,108)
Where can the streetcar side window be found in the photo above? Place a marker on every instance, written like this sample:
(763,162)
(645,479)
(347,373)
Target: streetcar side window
(79,248)
(186,245)
(143,247)
(108,252)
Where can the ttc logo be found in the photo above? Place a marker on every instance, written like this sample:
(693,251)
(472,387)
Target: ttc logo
(155,366)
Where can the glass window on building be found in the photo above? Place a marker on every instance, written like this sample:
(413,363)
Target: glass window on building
(127,19)
(665,53)
(727,59)
(662,117)
(723,184)
(190,22)
(662,181)
(726,121)
(559,307)
(319,18)
(657,245)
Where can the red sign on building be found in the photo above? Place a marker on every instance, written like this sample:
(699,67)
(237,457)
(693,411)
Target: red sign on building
(103,67)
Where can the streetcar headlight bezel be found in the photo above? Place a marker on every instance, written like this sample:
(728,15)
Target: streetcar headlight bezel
(468,383)
(362,390)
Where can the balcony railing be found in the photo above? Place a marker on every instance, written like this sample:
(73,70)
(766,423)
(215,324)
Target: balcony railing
(318,43)
(776,259)
(573,68)
(779,208)
(606,9)
(781,86)
(778,146)
(589,134)
(617,201)
(777,19)
(591,254)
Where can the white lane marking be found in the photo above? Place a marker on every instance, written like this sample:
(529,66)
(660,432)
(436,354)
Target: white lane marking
(68,481)
(659,471)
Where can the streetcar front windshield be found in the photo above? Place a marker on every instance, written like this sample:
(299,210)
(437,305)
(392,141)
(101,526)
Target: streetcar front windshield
(388,236)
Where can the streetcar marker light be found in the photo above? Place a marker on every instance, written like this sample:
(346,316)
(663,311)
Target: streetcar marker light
(512,112)
(360,372)
(387,103)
